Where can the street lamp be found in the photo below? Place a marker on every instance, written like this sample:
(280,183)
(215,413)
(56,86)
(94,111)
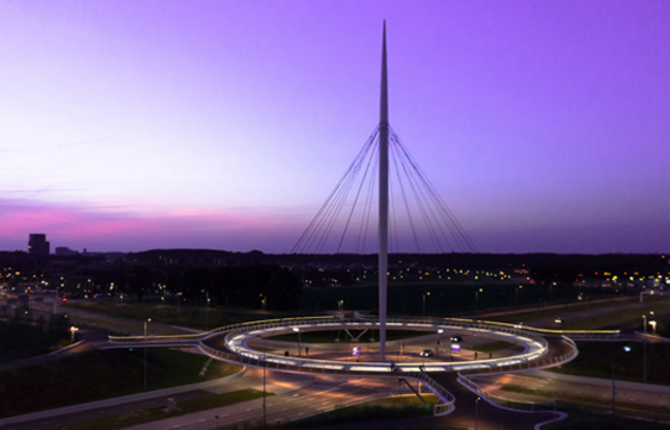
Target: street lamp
(73,330)
(297,329)
(265,366)
(424,302)
(477,291)
(207,312)
(145,353)
(437,342)
(516,295)
(627,349)
(652,323)
(477,412)
(644,360)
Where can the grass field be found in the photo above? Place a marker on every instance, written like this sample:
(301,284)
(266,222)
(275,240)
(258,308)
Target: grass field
(154,414)
(198,317)
(390,408)
(580,420)
(330,336)
(495,346)
(595,360)
(115,373)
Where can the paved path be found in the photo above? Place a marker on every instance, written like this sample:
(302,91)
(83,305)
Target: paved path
(324,395)
(596,393)
(138,401)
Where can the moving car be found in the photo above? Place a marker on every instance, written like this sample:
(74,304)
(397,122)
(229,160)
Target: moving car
(456,338)
(427,353)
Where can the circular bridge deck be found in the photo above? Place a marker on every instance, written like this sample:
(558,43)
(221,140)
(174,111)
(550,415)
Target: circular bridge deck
(538,351)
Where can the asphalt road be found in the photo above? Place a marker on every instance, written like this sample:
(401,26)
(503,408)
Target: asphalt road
(325,394)
(599,390)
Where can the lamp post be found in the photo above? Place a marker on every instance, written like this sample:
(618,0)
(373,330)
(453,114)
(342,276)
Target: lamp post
(477,291)
(516,295)
(265,366)
(477,412)
(73,330)
(437,342)
(627,349)
(424,302)
(145,353)
(644,345)
(297,329)
(207,313)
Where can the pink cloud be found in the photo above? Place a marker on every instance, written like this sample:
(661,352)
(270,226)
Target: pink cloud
(111,228)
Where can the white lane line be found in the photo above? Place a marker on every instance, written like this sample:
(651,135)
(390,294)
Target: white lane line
(202,420)
(248,410)
(224,415)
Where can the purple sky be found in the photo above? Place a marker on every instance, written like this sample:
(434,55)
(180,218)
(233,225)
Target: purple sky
(130,125)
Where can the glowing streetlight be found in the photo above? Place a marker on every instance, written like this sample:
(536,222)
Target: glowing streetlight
(652,323)
(145,353)
(437,342)
(297,329)
(73,330)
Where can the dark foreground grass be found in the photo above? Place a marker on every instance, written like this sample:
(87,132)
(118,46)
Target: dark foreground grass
(155,414)
(99,375)
(566,399)
(383,409)
(198,317)
(495,346)
(595,360)
(580,420)
(331,336)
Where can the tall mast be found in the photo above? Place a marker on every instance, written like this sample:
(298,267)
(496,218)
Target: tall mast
(383,201)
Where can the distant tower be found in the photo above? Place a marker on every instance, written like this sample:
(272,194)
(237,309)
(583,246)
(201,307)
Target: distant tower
(383,201)
(38,245)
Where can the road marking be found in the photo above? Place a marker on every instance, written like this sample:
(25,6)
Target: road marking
(175,426)
(202,420)
(248,410)
(270,404)
(224,415)
(301,413)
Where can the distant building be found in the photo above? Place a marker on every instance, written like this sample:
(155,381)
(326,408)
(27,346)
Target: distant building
(63,251)
(38,245)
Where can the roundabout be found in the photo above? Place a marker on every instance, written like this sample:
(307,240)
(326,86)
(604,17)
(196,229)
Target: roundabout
(537,349)
(238,341)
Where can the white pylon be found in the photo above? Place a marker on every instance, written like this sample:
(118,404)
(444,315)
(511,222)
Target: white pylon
(383,201)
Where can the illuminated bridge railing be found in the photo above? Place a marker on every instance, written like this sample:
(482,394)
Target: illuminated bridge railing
(295,366)
(531,365)
(235,342)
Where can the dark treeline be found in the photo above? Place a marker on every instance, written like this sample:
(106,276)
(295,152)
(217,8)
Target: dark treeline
(242,286)
(581,263)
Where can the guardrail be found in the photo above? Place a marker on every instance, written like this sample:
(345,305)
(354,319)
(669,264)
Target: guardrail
(289,324)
